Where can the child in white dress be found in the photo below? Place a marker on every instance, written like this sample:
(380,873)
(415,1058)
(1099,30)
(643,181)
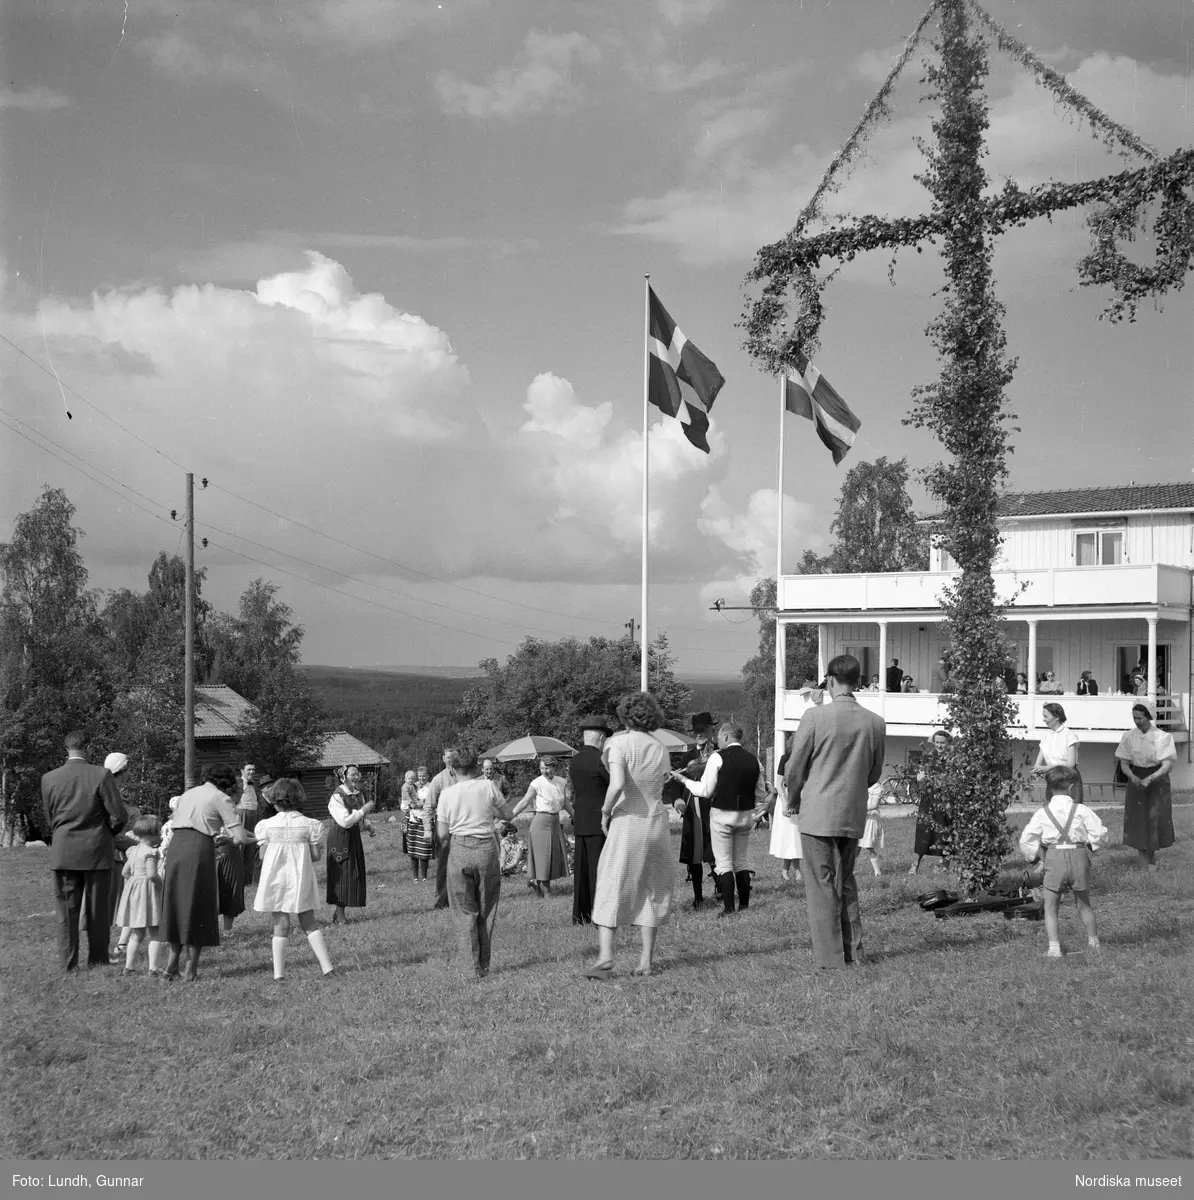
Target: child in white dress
(140,907)
(872,831)
(290,844)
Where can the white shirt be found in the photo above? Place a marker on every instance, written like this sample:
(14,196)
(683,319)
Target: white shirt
(704,787)
(549,793)
(341,814)
(1040,831)
(1146,749)
(469,808)
(1055,743)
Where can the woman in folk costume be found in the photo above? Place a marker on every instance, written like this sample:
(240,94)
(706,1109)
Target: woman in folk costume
(1146,755)
(346,853)
(696,847)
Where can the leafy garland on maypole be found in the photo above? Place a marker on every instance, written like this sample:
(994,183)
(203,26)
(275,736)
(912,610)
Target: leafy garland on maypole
(965,407)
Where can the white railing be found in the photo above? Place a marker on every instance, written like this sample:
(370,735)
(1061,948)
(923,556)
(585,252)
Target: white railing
(1105,713)
(1045,587)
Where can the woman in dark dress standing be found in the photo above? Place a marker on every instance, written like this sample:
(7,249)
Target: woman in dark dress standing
(346,853)
(928,819)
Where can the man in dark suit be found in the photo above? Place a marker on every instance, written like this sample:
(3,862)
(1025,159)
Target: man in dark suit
(83,811)
(837,754)
(590,781)
(895,676)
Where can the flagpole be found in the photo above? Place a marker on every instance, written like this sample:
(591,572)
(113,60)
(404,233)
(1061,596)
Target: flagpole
(781,647)
(646,511)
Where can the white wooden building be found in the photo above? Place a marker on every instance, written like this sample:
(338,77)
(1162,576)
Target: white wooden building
(1102,582)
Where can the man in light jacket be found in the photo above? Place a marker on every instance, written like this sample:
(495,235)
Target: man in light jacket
(837,753)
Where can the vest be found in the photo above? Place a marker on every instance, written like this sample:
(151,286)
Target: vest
(736,780)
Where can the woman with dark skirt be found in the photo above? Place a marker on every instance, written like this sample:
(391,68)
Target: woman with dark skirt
(190,889)
(928,818)
(346,853)
(1146,755)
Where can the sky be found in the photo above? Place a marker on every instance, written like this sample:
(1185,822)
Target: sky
(374,270)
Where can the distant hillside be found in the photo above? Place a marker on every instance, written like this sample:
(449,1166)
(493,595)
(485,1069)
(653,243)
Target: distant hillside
(382,704)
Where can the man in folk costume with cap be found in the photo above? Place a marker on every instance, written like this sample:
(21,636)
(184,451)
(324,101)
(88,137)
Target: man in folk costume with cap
(590,781)
(696,847)
(733,784)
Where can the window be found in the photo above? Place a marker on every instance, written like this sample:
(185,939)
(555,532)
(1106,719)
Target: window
(1099,547)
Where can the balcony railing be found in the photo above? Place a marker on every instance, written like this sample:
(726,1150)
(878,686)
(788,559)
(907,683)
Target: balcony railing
(1045,587)
(1094,713)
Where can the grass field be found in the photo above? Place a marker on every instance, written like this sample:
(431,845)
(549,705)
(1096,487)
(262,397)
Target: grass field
(958,1039)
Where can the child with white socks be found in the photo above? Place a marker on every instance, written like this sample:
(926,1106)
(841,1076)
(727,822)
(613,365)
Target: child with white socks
(290,845)
(1065,834)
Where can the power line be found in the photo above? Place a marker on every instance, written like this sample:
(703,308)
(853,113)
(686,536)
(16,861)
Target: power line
(312,529)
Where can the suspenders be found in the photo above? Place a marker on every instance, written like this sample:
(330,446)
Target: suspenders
(1063,842)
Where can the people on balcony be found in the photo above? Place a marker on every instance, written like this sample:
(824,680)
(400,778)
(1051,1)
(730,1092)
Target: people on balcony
(1059,747)
(1146,755)
(895,676)
(1049,686)
(1087,685)
(1022,683)
(908,684)
(941,676)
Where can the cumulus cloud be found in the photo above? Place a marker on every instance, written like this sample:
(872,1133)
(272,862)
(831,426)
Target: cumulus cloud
(541,77)
(670,76)
(33,99)
(589,469)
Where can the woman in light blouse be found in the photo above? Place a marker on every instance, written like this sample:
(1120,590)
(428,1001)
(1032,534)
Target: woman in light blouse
(1059,747)
(346,853)
(190,898)
(1146,755)
(548,855)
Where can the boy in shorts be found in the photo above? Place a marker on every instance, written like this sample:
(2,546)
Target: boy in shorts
(1064,834)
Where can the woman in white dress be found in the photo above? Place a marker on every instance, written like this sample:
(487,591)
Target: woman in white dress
(635,876)
(290,844)
(785,830)
(547,858)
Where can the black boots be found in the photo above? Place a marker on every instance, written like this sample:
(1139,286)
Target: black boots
(725,886)
(698,891)
(743,881)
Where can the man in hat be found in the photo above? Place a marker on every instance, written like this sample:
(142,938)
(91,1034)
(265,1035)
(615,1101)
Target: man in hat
(696,847)
(734,785)
(83,811)
(590,781)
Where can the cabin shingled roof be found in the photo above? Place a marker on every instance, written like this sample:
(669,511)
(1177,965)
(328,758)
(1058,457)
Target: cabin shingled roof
(219,711)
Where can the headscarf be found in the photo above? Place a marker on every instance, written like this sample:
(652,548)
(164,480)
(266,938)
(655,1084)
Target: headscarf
(116,762)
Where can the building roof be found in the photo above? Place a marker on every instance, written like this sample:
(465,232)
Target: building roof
(219,711)
(1144,497)
(1133,498)
(341,749)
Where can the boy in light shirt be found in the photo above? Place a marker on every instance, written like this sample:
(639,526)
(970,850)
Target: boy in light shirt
(1064,833)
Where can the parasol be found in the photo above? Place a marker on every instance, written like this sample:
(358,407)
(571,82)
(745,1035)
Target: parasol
(528,748)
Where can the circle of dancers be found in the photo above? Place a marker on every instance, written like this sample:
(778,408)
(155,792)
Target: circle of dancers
(176,887)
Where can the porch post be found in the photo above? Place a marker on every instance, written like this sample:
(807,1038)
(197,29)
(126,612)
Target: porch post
(822,660)
(883,668)
(1152,663)
(781,686)
(1031,722)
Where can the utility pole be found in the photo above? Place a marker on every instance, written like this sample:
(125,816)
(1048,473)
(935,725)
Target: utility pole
(189,668)
(630,625)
